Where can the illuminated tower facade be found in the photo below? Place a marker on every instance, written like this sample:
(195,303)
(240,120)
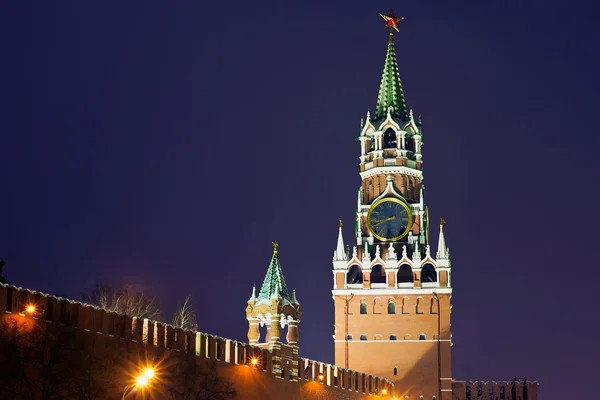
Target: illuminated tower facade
(391,294)
(275,309)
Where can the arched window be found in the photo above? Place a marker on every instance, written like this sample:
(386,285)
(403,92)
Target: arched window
(391,307)
(354,275)
(371,144)
(428,273)
(410,143)
(363,337)
(405,274)
(405,309)
(363,307)
(389,139)
(392,337)
(378,274)
(422,336)
(395,371)
(410,189)
(349,337)
(420,309)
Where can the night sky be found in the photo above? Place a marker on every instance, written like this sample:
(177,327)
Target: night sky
(167,144)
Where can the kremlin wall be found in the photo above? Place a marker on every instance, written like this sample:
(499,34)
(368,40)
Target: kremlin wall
(255,371)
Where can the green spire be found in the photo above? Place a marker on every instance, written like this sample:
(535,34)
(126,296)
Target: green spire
(390,90)
(274,281)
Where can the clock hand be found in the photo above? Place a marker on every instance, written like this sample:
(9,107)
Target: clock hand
(393,217)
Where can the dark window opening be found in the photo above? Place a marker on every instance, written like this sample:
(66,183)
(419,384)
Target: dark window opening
(354,275)
(428,273)
(378,274)
(405,274)
(391,307)
(422,337)
(392,337)
(389,139)
(363,308)
(349,337)
(395,371)
(363,337)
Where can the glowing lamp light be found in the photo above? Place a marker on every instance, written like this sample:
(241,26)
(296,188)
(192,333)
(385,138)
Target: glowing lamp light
(141,381)
(148,373)
(30,309)
(321,377)
(384,392)
(254,361)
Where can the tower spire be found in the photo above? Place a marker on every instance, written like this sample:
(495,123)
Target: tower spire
(391,93)
(274,281)
(442,251)
(340,253)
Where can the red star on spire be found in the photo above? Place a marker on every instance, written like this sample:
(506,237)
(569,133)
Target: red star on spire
(391,20)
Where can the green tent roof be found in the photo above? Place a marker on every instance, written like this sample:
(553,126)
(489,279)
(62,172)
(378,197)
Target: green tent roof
(390,90)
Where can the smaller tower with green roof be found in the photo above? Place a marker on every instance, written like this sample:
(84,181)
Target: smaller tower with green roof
(274,307)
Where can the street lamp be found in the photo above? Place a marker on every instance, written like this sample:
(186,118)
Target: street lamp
(140,382)
(30,309)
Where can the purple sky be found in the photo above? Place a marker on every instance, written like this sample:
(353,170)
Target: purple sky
(167,145)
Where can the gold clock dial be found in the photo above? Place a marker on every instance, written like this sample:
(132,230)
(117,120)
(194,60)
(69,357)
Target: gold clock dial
(389,219)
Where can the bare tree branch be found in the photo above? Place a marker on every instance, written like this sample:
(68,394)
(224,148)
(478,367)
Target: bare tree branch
(185,315)
(125,300)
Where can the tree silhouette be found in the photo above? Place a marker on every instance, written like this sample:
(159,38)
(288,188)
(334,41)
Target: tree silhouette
(185,315)
(195,379)
(124,300)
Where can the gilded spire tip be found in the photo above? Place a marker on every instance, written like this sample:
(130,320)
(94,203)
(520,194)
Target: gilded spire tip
(341,223)
(275,246)
(442,222)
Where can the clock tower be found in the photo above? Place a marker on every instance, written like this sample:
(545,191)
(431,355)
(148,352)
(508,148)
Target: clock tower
(391,294)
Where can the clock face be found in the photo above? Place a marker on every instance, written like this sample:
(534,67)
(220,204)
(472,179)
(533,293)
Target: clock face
(389,219)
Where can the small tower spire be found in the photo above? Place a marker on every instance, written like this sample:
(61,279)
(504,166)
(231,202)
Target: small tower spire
(340,253)
(274,280)
(390,90)
(443,251)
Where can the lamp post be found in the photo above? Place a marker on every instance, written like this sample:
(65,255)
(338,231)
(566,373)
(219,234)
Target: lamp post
(437,299)
(346,332)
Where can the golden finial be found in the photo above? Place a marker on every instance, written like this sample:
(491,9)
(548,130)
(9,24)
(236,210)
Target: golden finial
(442,222)
(275,245)
(341,224)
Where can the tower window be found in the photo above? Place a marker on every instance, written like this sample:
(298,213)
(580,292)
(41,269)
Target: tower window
(378,274)
(349,337)
(405,274)
(363,308)
(363,337)
(422,336)
(391,307)
(392,337)
(395,371)
(428,274)
(354,275)
(389,139)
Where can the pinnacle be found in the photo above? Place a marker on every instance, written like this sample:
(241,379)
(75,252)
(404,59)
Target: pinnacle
(391,93)
(274,282)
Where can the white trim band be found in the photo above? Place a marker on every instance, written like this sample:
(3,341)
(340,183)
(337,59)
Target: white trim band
(390,291)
